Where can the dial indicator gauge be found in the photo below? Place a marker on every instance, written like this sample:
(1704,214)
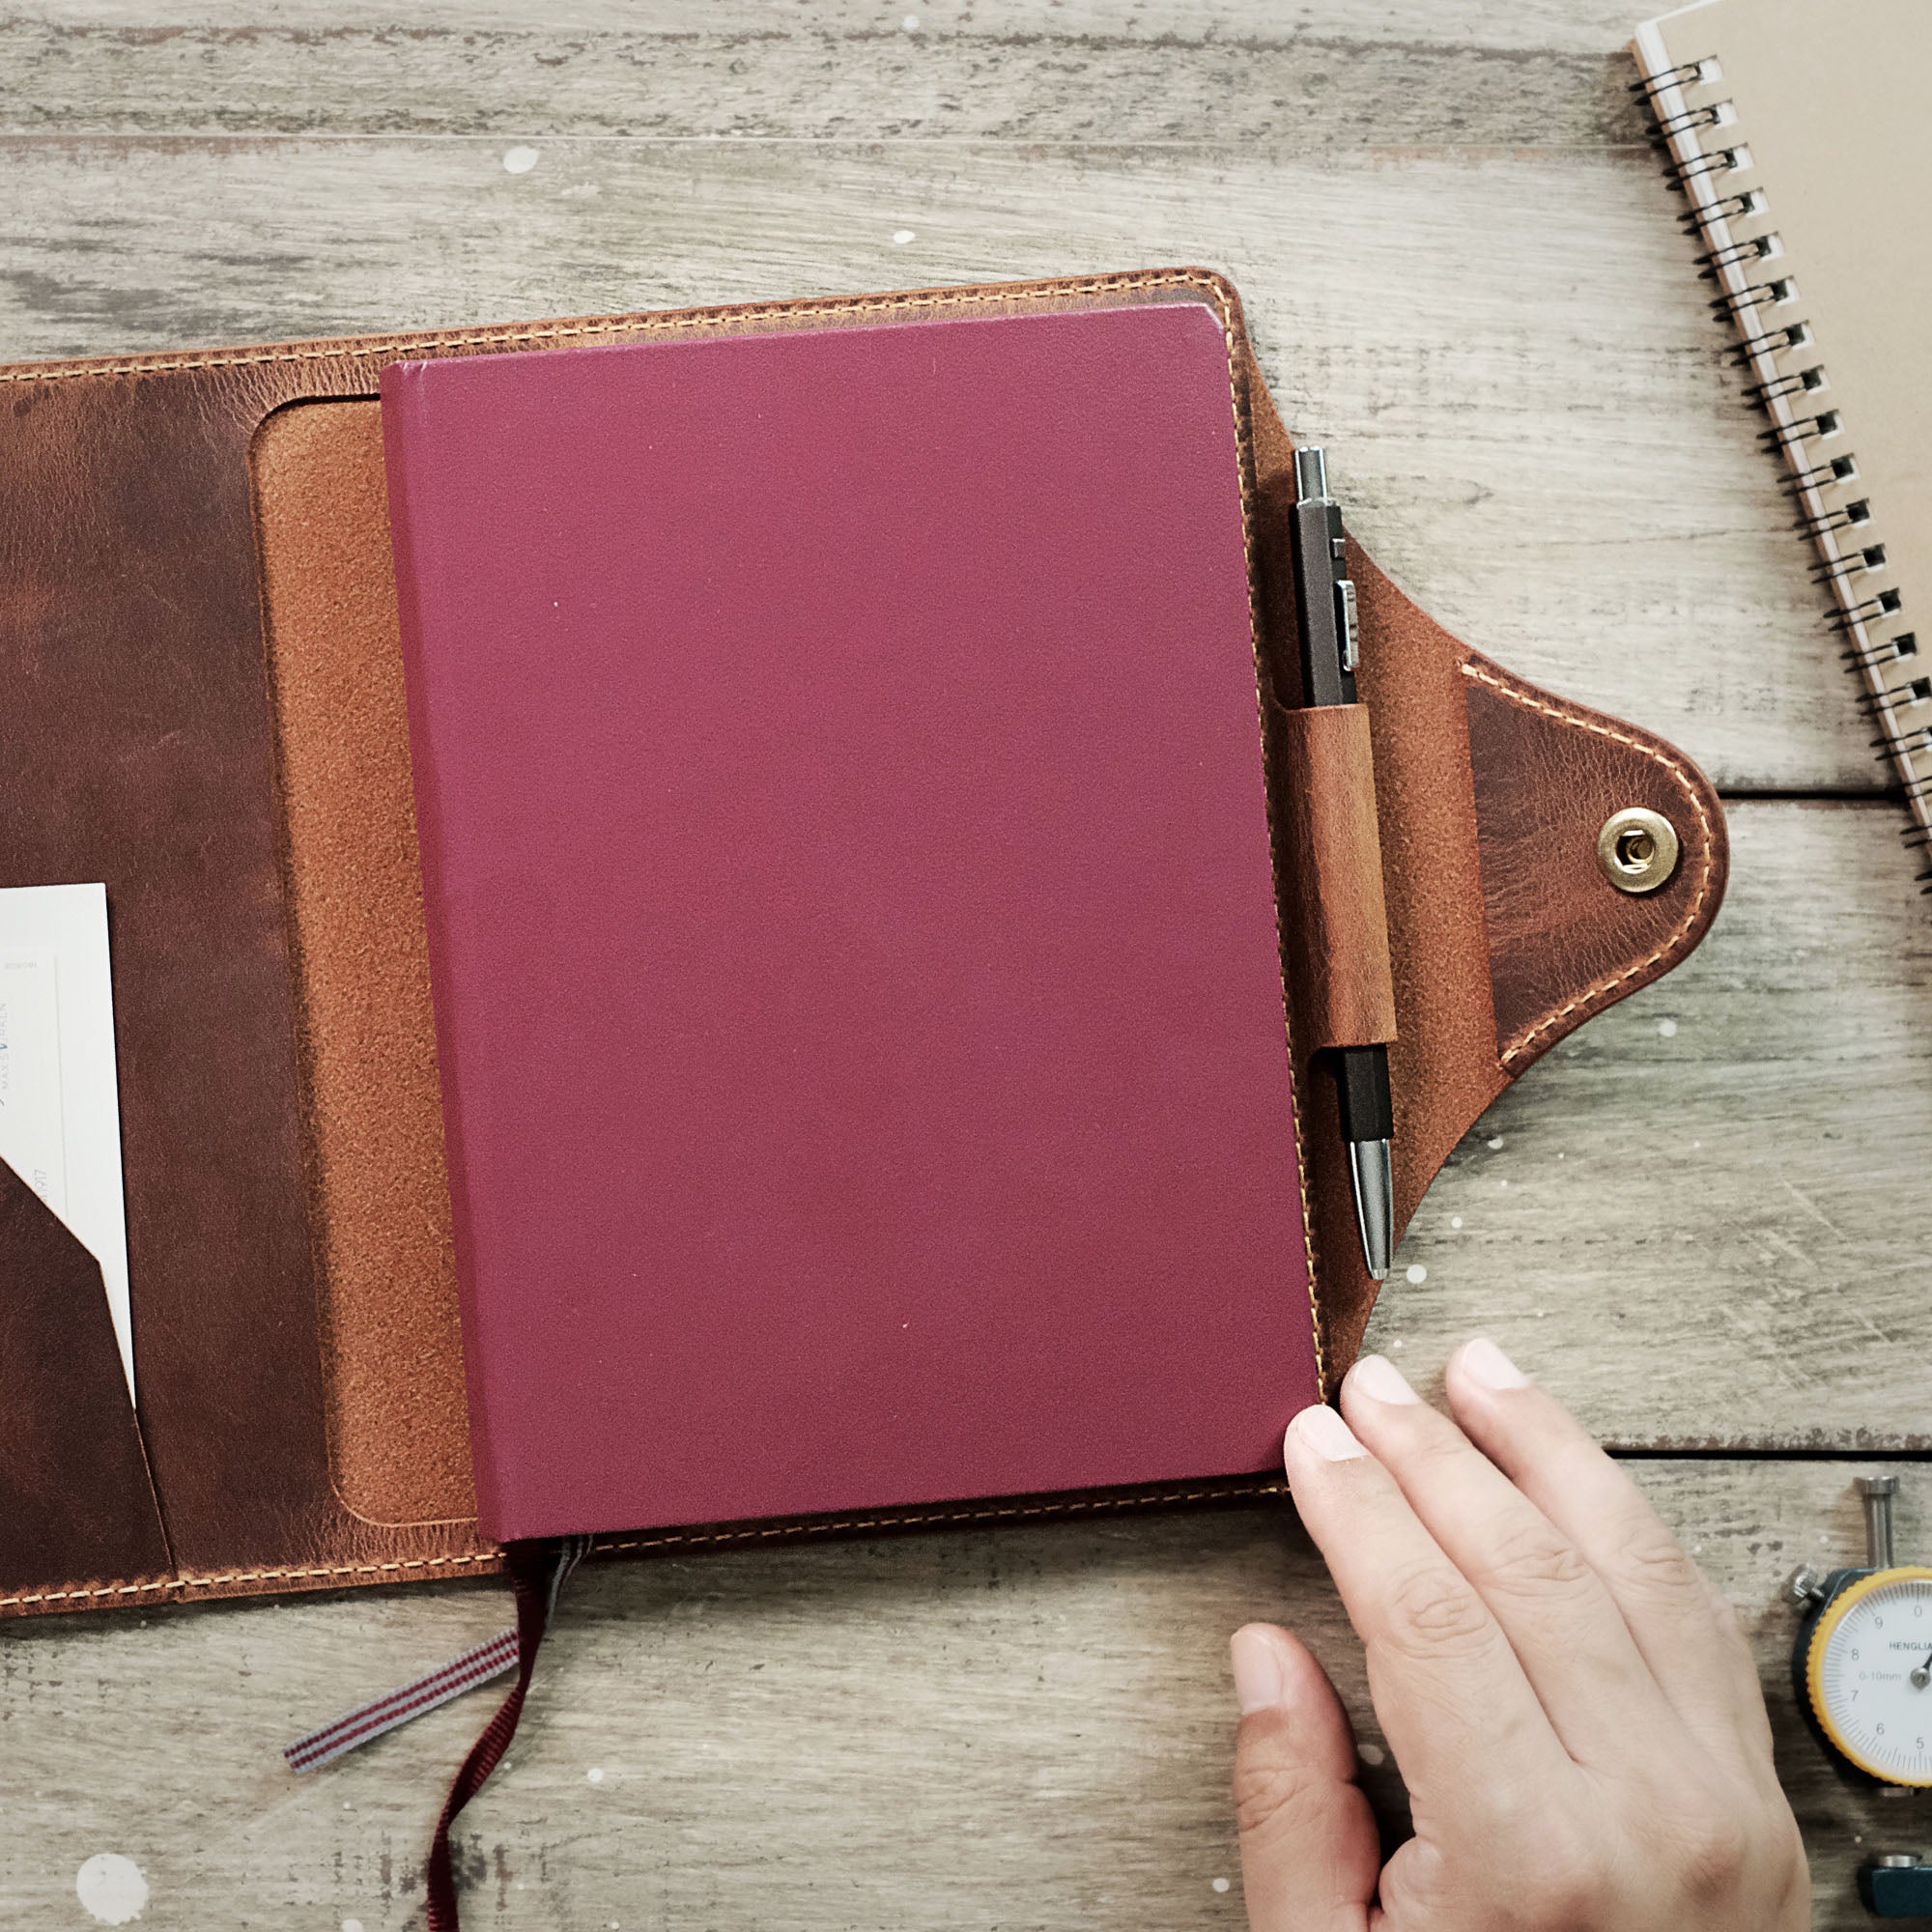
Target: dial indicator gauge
(1868,1673)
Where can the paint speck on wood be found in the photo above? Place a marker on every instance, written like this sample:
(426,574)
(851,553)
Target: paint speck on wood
(112,1888)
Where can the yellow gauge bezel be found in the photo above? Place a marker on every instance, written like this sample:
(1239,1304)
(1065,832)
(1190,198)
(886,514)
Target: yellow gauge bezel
(1828,1619)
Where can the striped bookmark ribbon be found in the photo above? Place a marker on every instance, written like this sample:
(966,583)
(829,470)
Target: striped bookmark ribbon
(368,1721)
(537,1570)
(476,1666)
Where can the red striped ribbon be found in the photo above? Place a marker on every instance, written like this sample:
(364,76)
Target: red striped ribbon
(537,1573)
(460,1674)
(537,1570)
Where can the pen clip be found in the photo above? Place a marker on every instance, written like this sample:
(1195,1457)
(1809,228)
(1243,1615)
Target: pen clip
(1350,624)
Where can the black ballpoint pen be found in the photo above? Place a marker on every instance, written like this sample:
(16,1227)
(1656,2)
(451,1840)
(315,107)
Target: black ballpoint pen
(1324,619)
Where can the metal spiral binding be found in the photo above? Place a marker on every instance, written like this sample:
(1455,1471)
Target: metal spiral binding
(1854,618)
(1835,569)
(1880,646)
(1710,264)
(1847,518)
(1787,435)
(1733,209)
(1803,483)
(1778,289)
(1887,653)
(1760,393)
(1741,353)
(1681,173)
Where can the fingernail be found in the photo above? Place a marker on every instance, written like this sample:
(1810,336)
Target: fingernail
(1487,1364)
(1377,1376)
(1258,1678)
(1320,1429)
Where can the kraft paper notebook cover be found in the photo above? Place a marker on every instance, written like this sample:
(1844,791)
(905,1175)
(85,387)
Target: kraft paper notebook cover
(201,649)
(1800,134)
(851,916)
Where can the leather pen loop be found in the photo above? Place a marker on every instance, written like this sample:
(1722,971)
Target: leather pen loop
(1331,854)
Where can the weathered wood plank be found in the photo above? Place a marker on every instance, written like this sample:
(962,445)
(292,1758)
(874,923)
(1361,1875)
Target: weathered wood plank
(1509,359)
(1699,1212)
(869,78)
(1571,26)
(1013,1727)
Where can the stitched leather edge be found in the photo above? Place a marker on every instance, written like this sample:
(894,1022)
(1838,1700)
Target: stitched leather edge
(176,1586)
(1219,289)
(1600,992)
(1244,456)
(1225,302)
(160,1590)
(935,1515)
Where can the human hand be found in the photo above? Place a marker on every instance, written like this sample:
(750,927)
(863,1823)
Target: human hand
(1571,1705)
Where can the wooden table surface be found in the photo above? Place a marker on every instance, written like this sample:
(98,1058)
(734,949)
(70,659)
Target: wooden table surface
(1697,1219)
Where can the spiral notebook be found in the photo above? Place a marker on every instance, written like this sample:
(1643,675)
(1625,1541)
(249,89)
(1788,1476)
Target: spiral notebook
(1801,133)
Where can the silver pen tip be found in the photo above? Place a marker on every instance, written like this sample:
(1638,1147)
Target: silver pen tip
(1374,1174)
(1310,474)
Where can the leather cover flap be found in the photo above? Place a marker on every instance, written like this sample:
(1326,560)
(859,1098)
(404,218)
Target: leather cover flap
(1565,943)
(1490,794)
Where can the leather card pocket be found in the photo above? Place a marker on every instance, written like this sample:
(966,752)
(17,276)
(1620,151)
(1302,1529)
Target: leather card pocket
(78,1515)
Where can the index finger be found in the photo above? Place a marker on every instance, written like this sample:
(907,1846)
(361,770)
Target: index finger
(1447,1687)
(1693,1647)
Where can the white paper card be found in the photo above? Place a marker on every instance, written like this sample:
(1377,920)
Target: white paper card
(59,1105)
(30,1124)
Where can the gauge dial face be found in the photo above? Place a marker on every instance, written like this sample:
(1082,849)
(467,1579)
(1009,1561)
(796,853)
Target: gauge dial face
(1869,1674)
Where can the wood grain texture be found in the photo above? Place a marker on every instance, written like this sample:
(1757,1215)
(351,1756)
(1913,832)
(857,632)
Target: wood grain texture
(1510,358)
(866,77)
(1023,1728)
(1463,273)
(1593,27)
(1695,1208)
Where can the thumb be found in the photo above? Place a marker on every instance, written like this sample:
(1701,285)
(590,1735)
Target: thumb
(1310,1853)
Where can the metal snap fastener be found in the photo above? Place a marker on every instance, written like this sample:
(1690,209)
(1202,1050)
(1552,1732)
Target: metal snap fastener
(1637,849)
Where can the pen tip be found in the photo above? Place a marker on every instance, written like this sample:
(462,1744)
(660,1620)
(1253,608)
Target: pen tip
(1378,1274)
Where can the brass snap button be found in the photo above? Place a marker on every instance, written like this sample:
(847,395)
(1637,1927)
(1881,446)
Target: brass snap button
(1637,849)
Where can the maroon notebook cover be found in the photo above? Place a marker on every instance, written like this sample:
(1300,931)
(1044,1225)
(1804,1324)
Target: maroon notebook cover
(849,902)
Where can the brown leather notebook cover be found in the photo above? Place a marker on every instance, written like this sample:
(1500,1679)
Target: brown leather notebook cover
(198,630)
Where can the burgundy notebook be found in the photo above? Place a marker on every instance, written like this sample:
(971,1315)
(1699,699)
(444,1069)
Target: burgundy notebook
(849,901)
